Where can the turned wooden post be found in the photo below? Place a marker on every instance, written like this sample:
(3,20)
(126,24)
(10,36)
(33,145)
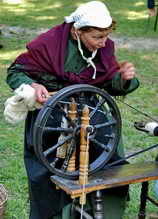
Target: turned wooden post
(84,152)
(72,113)
(98,205)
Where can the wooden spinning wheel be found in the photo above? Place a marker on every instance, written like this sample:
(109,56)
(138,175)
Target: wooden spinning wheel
(77,130)
(75,135)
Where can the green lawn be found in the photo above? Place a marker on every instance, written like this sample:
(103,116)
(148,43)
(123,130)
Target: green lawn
(131,19)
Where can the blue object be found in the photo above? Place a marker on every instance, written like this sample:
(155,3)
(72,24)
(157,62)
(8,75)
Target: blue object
(156,189)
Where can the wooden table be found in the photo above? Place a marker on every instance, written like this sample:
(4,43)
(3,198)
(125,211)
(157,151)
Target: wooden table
(114,177)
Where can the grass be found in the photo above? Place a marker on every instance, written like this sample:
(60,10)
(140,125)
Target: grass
(131,18)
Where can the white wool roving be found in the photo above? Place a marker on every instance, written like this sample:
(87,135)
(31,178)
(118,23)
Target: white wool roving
(17,106)
(150,127)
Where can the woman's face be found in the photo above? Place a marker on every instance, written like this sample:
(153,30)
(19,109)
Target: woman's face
(93,39)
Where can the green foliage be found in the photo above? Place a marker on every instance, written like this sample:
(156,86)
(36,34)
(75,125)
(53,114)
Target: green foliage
(131,19)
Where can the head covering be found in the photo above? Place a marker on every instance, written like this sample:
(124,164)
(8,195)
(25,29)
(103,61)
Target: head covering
(94,14)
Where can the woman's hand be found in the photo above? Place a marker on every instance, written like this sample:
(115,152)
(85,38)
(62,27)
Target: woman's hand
(41,92)
(127,70)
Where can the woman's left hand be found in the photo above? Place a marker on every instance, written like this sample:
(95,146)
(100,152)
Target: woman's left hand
(127,70)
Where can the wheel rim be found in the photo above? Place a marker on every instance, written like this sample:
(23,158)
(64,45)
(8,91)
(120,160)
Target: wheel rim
(105,128)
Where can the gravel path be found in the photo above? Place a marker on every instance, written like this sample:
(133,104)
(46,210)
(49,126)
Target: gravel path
(133,43)
(136,43)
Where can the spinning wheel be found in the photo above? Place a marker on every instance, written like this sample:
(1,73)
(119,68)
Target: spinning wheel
(77,129)
(75,134)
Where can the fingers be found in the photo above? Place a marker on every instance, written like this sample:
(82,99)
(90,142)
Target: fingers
(41,92)
(124,66)
(41,95)
(127,71)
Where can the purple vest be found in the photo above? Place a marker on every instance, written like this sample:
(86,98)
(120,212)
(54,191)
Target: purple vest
(46,53)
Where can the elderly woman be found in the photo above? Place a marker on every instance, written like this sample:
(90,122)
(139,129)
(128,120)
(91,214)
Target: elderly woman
(77,51)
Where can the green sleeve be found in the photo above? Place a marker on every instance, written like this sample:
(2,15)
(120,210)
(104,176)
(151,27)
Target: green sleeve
(119,87)
(15,78)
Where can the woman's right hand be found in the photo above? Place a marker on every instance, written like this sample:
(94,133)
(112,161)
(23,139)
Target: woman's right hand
(41,92)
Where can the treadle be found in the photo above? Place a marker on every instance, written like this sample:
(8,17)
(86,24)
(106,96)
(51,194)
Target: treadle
(111,177)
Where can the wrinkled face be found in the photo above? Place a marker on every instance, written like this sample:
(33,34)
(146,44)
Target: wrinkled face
(93,39)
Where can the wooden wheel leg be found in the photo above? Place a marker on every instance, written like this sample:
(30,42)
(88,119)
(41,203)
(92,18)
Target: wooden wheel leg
(98,205)
(143,200)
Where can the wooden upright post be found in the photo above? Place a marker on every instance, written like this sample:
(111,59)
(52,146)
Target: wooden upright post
(84,152)
(72,113)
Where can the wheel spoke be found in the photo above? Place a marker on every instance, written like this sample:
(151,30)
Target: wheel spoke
(54,147)
(99,104)
(61,109)
(110,136)
(53,164)
(105,124)
(103,146)
(64,114)
(58,129)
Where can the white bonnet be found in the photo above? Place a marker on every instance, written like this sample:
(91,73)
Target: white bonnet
(93,13)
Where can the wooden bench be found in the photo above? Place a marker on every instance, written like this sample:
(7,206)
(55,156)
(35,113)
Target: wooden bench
(115,177)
